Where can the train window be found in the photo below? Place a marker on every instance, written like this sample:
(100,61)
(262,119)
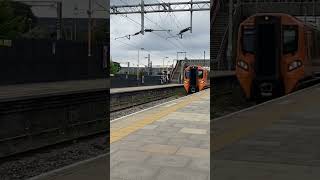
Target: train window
(290,39)
(200,74)
(187,74)
(248,39)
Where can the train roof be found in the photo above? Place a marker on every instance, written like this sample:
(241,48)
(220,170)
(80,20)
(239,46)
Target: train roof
(249,19)
(199,67)
(299,21)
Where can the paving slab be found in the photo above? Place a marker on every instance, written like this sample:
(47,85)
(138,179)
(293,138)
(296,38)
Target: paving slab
(134,171)
(181,174)
(168,160)
(159,148)
(193,152)
(193,131)
(202,164)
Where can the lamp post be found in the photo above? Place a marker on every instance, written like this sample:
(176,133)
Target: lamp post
(75,12)
(138,62)
(163,62)
(168,65)
(182,64)
(89,12)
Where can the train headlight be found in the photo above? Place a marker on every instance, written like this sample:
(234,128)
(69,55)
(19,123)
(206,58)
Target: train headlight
(242,64)
(294,65)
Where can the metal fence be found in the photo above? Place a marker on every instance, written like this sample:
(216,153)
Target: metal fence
(123,80)
(31,61)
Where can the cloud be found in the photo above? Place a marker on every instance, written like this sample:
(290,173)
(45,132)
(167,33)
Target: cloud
(194,43)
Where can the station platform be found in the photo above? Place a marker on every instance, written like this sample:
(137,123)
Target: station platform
(275,140)
(168,141)
(142,88)
(219,74)
(37,90)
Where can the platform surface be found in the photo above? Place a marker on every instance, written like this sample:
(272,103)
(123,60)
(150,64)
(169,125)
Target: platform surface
(277,140)
(36,90)
(167,142)
(141,88)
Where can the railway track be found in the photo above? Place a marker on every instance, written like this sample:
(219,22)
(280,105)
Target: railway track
(35,123)
(122,99)
(38,122)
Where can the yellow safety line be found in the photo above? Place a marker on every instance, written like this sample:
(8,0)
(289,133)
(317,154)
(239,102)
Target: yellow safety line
(123,132)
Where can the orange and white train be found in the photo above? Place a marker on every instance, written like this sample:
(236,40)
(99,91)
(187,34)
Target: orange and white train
(195,78)
(276,53)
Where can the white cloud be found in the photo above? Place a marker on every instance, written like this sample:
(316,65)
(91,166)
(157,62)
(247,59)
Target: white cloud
(194,43)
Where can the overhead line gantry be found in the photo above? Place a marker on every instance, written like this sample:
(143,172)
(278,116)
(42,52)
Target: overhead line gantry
(143,9)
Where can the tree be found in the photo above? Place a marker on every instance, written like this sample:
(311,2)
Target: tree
(16,18)
(114,67)
(37,32)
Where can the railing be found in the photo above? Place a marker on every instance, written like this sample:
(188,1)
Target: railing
(215,7)
(222,46)
(175,69)
(236,16)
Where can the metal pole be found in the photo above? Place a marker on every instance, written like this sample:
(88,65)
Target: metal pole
(89,28)
(128,67)
(163,65)
(75,30)
(204,55)
(177,57)
(191,11)
(305,14)
(75,22)
(230,34)
(142,16)
(59,21)
(138,64)
(315,19)
(181,72)
(149,68)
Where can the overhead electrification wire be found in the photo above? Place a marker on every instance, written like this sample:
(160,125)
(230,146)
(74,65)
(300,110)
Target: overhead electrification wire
(154,32)
(162,28)
(176,22)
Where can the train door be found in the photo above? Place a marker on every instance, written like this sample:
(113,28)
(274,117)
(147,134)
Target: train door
(267,62)
(201,80)
(193,79)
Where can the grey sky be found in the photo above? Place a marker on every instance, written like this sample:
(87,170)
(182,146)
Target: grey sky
(123,50)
